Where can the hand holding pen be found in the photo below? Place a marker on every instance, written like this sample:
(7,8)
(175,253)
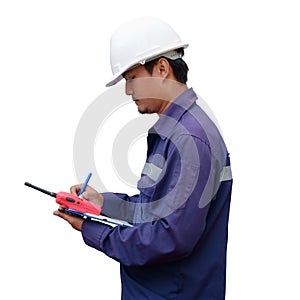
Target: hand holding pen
(87,192)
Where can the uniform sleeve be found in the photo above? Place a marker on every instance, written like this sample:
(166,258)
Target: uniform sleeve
(168,218)
(119,206)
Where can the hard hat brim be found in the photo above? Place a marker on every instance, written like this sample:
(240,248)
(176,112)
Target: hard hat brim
(119,75)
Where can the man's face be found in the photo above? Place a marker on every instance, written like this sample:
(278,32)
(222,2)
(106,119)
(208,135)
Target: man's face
(147,90)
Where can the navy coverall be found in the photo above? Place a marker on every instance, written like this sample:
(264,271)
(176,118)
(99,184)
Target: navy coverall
(177,246)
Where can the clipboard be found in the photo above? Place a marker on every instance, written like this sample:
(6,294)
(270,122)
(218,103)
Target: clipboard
(98,218)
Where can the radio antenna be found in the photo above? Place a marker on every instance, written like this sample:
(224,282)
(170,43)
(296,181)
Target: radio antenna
(40,189)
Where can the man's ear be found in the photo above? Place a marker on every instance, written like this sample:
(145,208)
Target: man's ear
(163,67)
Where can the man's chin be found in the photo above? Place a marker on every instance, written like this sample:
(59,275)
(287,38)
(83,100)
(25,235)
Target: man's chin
(141,111)
(145,111)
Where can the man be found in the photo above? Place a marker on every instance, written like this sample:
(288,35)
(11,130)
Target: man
(176,248)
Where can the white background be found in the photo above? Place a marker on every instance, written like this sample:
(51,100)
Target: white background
(244,61)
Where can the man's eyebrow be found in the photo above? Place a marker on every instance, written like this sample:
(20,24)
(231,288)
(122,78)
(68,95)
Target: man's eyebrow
(126,74)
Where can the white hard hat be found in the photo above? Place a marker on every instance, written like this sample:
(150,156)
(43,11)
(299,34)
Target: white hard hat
(141,40)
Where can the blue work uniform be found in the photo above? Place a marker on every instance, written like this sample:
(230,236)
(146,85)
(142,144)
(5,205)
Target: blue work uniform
(177,246)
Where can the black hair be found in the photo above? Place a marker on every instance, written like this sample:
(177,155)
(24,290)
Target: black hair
(179,66)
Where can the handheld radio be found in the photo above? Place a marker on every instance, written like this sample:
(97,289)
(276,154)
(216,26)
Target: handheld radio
(70,201)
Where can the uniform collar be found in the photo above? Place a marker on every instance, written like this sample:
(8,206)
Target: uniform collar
(165,124)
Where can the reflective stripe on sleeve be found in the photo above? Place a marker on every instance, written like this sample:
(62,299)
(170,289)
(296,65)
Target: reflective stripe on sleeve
(226,174)
(152,171)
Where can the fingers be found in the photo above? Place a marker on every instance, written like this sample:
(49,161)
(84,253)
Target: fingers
(75,189)
(74,221)
(62,215)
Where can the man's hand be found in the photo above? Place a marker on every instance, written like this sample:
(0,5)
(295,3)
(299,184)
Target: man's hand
(75,222)
(89,194)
